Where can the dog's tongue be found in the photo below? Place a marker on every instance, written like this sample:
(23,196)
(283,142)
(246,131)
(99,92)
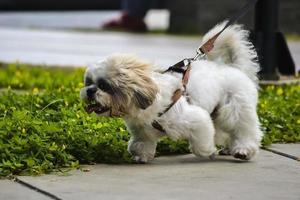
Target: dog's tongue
(96,108)
(92,108)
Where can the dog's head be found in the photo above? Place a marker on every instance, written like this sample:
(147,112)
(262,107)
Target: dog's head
(118,86)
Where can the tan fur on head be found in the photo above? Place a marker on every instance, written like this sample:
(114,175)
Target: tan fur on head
(131,82)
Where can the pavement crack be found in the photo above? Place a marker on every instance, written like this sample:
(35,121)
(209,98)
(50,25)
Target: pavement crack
(32,187)
(281,153)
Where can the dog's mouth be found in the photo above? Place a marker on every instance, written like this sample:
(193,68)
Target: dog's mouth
(96,108)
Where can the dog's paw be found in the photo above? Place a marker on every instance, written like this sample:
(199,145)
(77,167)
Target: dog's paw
(140,160)
(242,156)
(224,152)
(244,153)
(203,152)
(139,152)
(212,156)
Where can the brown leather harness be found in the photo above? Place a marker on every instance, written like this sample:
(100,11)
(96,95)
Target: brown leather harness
(178,67)
(184,66)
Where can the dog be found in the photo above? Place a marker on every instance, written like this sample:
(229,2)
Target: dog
(218,108)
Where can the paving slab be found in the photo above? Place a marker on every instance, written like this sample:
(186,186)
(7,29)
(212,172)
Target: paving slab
(10,190)
(290,149)
(269,176)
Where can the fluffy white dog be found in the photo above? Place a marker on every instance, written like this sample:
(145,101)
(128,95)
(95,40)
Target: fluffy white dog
(218,108)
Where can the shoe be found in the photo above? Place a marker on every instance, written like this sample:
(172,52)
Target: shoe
(127,23)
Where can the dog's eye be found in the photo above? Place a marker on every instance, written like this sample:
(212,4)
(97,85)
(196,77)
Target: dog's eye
(88,81)
(104,85)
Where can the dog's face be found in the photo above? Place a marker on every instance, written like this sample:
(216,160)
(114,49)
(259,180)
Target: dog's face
(118,86)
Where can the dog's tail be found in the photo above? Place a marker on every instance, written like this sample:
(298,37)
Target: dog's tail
(232,47)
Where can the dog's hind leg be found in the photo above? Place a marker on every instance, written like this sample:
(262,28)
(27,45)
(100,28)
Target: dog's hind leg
(239,118)
(246,136)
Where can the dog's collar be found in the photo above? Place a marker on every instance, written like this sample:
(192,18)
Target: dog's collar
(184,67)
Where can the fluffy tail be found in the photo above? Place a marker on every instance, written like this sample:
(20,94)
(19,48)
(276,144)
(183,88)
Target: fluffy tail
(233,48)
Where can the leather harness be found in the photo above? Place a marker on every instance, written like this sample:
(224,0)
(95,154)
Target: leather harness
(178,67)
(184,66)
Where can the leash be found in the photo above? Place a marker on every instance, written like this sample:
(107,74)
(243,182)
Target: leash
(184,66)
(209,45)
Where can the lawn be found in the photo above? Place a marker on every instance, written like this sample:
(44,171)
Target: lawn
(44,127)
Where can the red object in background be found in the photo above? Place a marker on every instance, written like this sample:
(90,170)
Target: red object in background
(127,23)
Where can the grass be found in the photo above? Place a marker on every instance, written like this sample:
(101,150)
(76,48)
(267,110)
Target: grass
(44,127)
(293,37)
(279,113)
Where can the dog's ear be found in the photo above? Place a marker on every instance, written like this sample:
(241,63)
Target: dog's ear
(142,100)
(130,76)
(145,92)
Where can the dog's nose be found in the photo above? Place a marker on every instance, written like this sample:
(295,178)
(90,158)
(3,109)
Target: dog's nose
(91,91)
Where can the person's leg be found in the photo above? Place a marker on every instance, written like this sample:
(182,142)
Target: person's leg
(137,8)
(132,18)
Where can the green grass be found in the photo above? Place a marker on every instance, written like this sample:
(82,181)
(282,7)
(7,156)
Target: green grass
(43,126)
(279,113)
(293,37)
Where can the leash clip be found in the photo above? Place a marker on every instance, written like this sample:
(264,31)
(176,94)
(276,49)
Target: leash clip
(199,55)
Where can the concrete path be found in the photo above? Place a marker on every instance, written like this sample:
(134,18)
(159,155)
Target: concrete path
(291,149)
(269,176)
(10,190)
(80,48)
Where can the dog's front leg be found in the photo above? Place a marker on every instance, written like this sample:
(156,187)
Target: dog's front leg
(142,149)
(143,142)
(201,133)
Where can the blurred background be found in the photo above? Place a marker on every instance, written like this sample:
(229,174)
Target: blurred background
(71,32)
(186,16)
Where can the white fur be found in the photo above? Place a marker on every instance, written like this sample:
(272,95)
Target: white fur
(224,85)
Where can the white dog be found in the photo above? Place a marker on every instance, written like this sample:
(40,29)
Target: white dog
(218,108)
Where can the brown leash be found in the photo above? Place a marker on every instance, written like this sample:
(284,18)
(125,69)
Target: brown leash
(184,66)
(209,45)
